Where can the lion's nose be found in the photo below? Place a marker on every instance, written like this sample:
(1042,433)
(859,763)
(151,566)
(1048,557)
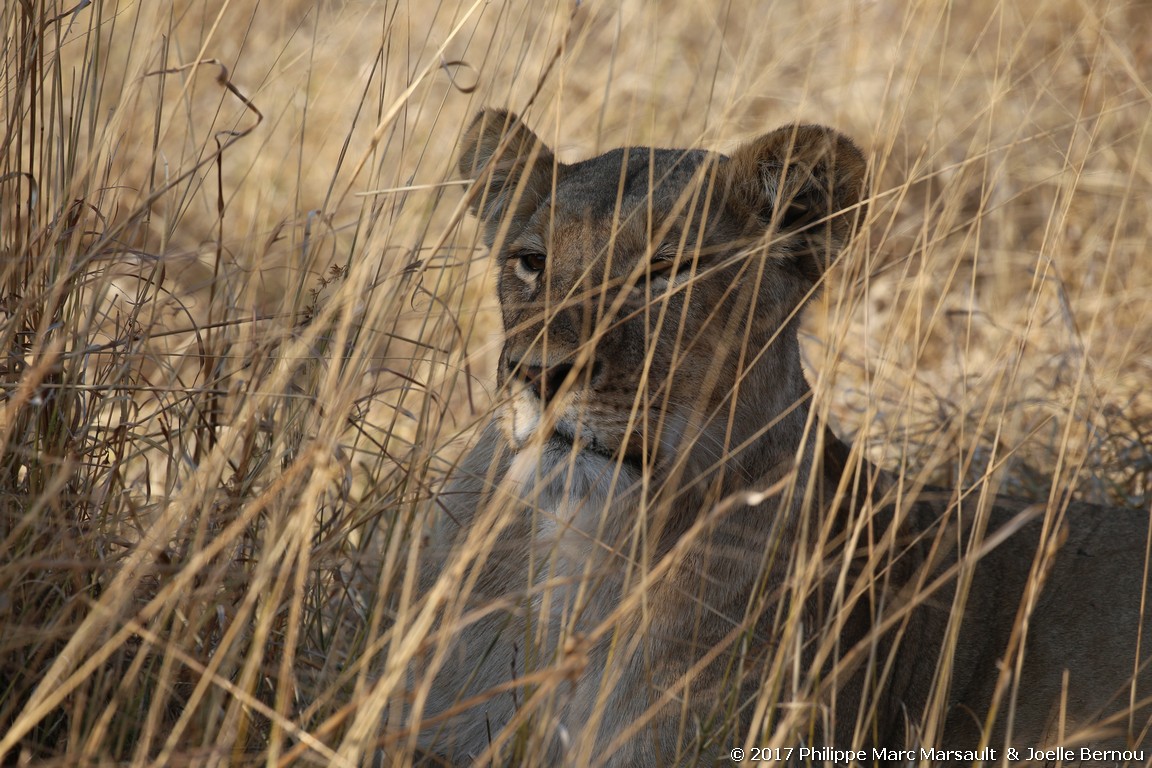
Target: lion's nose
(545,381)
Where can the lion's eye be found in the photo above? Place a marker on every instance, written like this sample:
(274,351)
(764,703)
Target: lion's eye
(663,260)
(796,214)
(532,261)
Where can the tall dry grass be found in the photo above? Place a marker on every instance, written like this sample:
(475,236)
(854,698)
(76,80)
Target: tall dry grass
(246,325)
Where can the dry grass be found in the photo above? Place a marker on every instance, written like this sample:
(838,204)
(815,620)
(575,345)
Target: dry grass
(246,325)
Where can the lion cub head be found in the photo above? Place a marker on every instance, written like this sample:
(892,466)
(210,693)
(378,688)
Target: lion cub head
(649,295)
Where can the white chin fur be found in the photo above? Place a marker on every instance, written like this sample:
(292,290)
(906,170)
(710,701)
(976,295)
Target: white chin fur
(521,419)
(549,467)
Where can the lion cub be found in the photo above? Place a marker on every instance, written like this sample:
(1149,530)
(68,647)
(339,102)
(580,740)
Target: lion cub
(653,555)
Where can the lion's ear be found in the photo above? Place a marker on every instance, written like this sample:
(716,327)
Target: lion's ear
(804,184)
(512,167)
